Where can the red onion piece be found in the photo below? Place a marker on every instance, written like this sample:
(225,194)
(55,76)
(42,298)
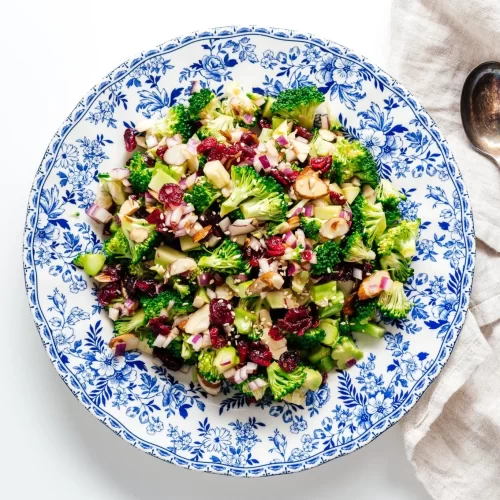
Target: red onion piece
(191,180)
(120,349)
(254,244)
(99,214)
(241,277)
(264,161)
(204,279)
(180,233)
(281,140)
(150,200)
(290,239)
(225,363)
(183,184)
(325,122)
(292,269)
(357,273)
(195,86)
(248,118)
(118,174)
(241,226)
(308,210)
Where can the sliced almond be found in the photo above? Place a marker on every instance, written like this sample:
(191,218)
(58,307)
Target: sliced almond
(182,324)
(129,338)
(129,207)
(309,186)
(349,303)
(370,286)
(200,235)
(293,223)
(334,228)
(181,266)
(273,279)
(139,234)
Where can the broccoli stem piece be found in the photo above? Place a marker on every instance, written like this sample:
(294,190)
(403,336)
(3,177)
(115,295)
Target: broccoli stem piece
(334,307)
(371,329)
(92,263)
(127,324)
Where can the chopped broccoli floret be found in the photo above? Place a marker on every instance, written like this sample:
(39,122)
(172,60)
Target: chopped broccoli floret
(140,173)
(310,339)
(353,159)
(140,270)
(226,258)
(203,105)
(202,195)
(368,219)
(345,353)
(365,311)
(117,246)
(214,127)
(92,263)
(310,226)
(177,121)
(356,250)
(136,230)
(345,327)
(299,105)
(154,306)
(183,289)
(397,265)
(175,348)
(127,324)
(206,366)
(393,302)
(258,393)
(392,216)
(328,255)
(401,238)
(282,383)
(272,207)
(388,195)
(248,183)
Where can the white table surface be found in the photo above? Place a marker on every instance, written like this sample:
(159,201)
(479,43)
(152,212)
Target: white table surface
(52,52)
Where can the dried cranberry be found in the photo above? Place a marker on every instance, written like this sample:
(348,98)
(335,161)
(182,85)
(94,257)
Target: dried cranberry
(171,362)
(324,378)
(129,139)
(212,218)
(337,198)
(242,348)
(247,152)
(106,230)
(233,150)
(321,164)
(221,312)
(260,354)
(148,160)
(218,339)
(343,272)
(161,150)
(289,360)
(114,273)
(284,180)
(275,333)
(157,217)
(250,139)
(264,123)
(275,246)
(141,213)
(218,279)
(250,400)
(367,269)
(307,255)
(108,293)
(128,283)
(147,286)
(303,132)
(171,194)
(159,326)
(218,153)
(206,145)
(298,320)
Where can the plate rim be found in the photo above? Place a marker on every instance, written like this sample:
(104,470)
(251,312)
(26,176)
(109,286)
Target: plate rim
(43,172)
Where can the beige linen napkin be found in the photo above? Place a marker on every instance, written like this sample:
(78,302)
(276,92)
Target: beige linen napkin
(452,436)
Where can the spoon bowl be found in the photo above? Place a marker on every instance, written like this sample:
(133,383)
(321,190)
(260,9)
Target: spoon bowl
(480,109)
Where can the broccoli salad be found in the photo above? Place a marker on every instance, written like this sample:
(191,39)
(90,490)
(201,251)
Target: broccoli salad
(248,240)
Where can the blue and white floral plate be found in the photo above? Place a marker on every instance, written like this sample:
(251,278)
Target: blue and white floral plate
(169,417)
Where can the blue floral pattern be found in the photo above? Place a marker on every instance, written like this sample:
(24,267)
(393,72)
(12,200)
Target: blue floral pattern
(168,415)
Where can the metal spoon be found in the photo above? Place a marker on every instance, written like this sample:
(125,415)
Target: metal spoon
(480,109)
